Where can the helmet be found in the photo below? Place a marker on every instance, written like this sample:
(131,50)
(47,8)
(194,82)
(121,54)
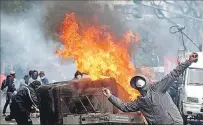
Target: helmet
(35,75)
(134,80)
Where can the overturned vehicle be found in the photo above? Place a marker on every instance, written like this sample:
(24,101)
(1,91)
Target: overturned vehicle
(82,102)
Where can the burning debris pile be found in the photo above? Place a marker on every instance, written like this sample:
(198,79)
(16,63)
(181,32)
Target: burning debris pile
(81,98)
(97,51)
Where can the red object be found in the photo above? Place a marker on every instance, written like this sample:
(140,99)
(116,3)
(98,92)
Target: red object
(2,78)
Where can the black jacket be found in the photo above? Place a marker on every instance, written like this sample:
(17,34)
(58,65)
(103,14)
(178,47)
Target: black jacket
(24,99)
(10,83)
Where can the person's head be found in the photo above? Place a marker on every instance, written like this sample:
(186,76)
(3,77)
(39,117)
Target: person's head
(78,75)
(13,74)
(42,74)
(26,78)
(30,73)
(35,74)
(140,83)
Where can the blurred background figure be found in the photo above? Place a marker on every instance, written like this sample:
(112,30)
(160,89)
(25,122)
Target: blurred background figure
(78,75)
(10,84)
(43,78)
(26,79)
(34,77)
(30,73)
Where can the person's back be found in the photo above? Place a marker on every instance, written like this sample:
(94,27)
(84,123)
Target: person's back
(10,84)
(22,103)
(22,99)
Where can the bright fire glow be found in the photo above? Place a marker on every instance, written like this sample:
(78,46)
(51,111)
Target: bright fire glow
(98,52)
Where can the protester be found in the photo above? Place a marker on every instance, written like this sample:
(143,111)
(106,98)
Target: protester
(10,90)
(30,73)
(26,79)
(78,75)
(154,103)
(24,102)
(34,77)
(43,78)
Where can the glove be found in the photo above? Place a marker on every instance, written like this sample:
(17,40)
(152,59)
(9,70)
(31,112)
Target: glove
(193,57)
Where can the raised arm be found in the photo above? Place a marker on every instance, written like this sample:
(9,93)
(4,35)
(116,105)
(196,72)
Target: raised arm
(125,107)
(169,79)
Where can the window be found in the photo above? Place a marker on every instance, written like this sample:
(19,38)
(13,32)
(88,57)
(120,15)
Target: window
(195,77)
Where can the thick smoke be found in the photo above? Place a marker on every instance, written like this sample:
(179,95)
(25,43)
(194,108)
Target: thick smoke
(30,38)
(23,43)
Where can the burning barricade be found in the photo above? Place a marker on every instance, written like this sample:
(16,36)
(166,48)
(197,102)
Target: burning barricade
(97,52)
(82,102)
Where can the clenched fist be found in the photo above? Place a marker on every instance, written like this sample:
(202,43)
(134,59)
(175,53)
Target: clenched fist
(193,57)
(106,92)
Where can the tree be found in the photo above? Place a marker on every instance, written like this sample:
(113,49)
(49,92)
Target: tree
(188,13)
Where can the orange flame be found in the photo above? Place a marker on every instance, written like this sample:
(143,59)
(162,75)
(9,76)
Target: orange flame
(97,52)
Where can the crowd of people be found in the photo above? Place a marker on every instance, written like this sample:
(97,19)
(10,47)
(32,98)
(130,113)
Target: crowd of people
(22,100)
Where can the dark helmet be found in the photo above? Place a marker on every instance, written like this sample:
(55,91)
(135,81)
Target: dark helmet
(35,75)
(135,78)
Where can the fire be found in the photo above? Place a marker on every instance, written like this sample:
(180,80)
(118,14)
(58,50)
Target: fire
(98,52)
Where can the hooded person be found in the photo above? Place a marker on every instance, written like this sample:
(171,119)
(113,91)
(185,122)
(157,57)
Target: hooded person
(24,102)
(155,103)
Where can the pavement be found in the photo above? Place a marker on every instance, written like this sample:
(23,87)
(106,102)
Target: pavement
(36,121)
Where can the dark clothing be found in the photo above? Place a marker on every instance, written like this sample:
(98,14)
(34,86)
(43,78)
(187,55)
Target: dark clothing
(21,105)
(10,84)
(26,79)
(23,119)
(45,81)
(156,105)
(8,99)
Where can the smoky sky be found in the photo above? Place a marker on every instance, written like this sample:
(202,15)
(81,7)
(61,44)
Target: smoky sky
(30,38)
